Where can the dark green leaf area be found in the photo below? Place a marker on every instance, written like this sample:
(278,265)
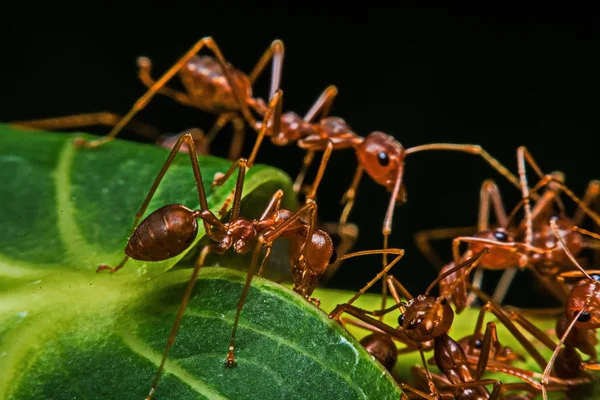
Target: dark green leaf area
(285,347)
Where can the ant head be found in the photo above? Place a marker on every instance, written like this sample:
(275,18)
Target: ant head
(381,156)
(382,348)
(586,293)
(500,256)
(426,317)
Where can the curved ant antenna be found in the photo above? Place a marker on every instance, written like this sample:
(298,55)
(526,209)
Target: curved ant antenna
(472,262)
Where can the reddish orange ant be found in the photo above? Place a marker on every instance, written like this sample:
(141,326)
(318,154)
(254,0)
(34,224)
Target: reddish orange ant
(212,84)
(426,318)
(528,244)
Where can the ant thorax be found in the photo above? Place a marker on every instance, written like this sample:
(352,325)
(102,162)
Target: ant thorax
(382,158)
(292,128)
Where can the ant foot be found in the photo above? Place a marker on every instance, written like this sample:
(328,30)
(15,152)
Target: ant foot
(230,363)
(315,301)
(80,142)
(103,267)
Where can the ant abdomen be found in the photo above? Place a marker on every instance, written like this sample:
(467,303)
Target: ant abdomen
(382,348)
(165,233)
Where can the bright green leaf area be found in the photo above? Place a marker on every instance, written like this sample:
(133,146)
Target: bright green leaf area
(67,332)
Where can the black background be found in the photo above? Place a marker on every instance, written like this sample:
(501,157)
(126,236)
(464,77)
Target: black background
(491,77)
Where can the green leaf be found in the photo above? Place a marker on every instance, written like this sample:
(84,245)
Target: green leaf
(462,326)
(67,332)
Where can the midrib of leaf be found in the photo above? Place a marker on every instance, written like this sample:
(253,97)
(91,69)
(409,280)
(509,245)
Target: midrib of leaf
(143,350)
(18,342)
(11,268)
(77,248)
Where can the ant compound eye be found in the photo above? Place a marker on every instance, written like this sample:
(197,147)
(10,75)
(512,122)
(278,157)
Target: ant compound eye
(383,158)
(333,257)
(478,343)
(554,217)
(401,319)
(595,277)
(501,236)
(584,317)
(444,301)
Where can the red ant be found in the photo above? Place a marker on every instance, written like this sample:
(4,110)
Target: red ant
(529,244)
(212,84)
(426,318)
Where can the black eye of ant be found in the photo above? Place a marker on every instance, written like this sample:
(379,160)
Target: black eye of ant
(333,257)
(401,319)
(584,317)
(478,343)
(501,236)
(554,217)
(595,277)
(383,159)
(443,301)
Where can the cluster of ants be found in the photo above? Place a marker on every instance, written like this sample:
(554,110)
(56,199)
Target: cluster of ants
(546,241)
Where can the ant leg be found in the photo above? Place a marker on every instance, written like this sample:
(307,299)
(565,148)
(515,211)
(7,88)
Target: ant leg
(151,92)
(255,256)
(323,104)
(145,67)
(241,166)
(591,194)
(399,254)
(275,52)
(489,192)
(348,235)
(387,225)
(408,388)
(211,248)
(424,238)
(306,161)
(274,113)
(237,142)
(114,269)
(324,160)
(350,195)
(507,322)
(471,149)
(189,141)
(85,120)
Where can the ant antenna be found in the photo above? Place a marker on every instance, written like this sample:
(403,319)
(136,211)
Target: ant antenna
(399,254)
(472,262)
